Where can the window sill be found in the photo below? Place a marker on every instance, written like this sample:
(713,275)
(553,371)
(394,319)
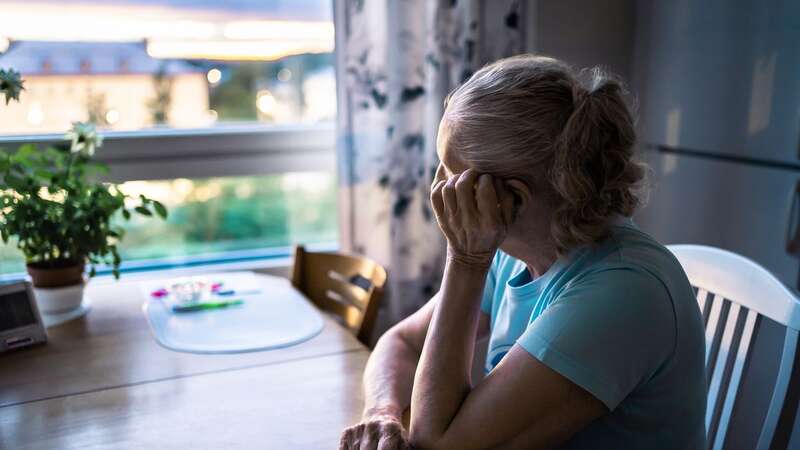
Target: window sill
(273,261)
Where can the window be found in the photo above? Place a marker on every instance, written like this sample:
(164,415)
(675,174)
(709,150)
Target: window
(210,107)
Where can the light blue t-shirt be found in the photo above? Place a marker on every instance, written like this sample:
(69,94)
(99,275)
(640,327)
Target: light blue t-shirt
(620,320)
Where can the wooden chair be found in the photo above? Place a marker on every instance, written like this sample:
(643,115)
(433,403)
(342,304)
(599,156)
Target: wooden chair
(349,287)
(727,281)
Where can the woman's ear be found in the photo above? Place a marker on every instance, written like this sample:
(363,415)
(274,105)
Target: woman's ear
(514,197)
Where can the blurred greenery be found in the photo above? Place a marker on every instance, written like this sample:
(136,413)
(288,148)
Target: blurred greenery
(224,214)
(234,98)
(159,105)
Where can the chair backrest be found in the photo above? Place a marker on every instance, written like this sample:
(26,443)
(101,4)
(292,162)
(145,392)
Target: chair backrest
(733,292)
(350,287)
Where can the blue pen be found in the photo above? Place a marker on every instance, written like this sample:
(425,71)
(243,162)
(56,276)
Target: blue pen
(230,292)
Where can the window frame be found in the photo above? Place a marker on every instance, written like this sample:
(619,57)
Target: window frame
(226,150)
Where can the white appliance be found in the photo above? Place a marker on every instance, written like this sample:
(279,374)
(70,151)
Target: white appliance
(719,85)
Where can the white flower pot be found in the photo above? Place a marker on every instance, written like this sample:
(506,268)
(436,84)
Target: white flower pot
(58,288)
(59,300)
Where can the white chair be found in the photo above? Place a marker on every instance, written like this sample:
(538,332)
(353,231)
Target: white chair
(724,279)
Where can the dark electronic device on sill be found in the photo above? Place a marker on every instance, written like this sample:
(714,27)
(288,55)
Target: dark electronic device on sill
(20,322)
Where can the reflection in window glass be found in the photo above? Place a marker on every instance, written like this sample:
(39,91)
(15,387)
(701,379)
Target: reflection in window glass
(211,216)
(153,63)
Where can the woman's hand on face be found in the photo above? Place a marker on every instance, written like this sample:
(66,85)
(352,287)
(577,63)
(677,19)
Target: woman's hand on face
(377,432)
(470,216)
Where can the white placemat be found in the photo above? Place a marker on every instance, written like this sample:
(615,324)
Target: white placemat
(273,315)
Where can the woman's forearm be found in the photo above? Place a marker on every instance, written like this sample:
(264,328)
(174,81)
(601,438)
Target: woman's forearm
(389,376)
(442,378)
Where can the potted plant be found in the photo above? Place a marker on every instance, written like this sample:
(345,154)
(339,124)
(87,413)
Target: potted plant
(59,213)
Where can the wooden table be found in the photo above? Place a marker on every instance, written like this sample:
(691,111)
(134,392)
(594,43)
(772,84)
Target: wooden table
(103,382)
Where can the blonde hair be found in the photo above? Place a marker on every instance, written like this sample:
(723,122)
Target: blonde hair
(530,118)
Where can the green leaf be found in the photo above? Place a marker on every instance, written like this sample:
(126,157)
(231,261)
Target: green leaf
(59,157)
(143,211)
(96,168)
(25,156)
(126,214)
(43,175)
(161,210)
(53,152)
(16,182)
(25,151)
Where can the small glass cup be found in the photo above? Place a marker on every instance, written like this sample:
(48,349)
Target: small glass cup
(189,290)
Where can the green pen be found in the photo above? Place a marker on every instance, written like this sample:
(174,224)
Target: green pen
(206,305)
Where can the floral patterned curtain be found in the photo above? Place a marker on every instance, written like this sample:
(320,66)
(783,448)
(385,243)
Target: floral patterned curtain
(396,62)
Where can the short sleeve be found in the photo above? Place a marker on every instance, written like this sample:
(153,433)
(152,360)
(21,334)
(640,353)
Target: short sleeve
(489,287)
(606,332)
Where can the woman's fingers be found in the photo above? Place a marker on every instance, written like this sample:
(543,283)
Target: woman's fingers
(437,201)
(440,210)
(449,195)
(391,437)
(486,197)
(351,438)
(374,434)
(440,175)
(371,436)
(391,443)
(465,194)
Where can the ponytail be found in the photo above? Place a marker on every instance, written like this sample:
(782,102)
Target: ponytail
(593,173)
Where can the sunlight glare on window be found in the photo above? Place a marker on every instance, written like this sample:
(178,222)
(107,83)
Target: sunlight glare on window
(266,102)
(284,75)
(112,116)
(214,76)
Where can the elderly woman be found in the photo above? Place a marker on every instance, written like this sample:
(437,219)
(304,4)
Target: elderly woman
(595,338)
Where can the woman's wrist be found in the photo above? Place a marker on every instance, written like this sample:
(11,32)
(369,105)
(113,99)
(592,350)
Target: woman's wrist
(469,263)
(386,411)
